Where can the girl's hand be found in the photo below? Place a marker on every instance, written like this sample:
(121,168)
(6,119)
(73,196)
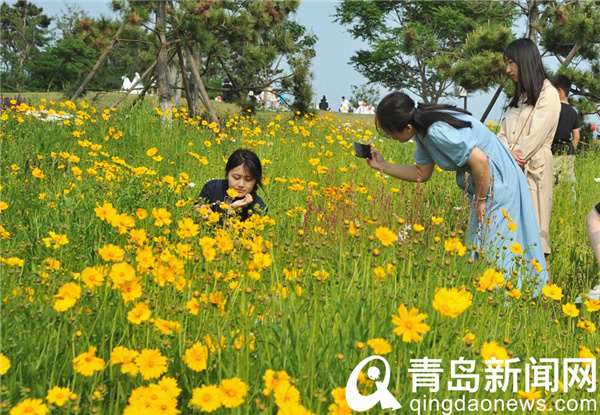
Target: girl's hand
(480,207)
(377,161)
(245,201)
(518,158)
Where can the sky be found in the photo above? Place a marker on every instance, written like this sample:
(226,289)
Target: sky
(333,74)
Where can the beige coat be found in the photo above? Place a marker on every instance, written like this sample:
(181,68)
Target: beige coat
(531,133)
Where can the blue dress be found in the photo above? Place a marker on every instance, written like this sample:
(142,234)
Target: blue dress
(509,198)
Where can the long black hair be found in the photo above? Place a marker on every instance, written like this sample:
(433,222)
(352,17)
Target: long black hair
(250,161)
(531,74)
(397,110)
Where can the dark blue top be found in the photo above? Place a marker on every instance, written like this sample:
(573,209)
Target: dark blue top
(215,193)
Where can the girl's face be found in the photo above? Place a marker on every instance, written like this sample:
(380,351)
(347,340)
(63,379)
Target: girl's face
(404,135)
(242,181)
(512,69)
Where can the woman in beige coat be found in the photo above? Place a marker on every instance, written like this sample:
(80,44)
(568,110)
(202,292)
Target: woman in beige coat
(529,126)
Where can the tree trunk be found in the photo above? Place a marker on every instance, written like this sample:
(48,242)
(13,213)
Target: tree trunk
(533,18)
(190,90)
(200,86)
(491,104)
(101,59)
(162,67)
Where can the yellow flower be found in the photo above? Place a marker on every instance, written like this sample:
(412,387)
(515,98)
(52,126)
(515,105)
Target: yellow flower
(187,228)
(67,296)
(139,313)
(93,277)
(196,356)
(592,305)
(273,379)
(532,395)
(437,220)
(490,280)
(234,390)
(141,213)
(232,193)
(55,240)
(30,407)
(111,252)
(58,396)
(512,227)
(161,217)
(386,236)
(152,152)
(514,293)
(286,393)
(410,324)
(570,309)
(418,228)
(553,291)
(207,398)
(151,363)
(3,205)
(452,302)
(13,261)
(4,364)
(493,349)
(380,346)
(87,363)
(586,353)
(587,325)
(379,274)
(125,357)
(455,246)
(516,248)
(193,306)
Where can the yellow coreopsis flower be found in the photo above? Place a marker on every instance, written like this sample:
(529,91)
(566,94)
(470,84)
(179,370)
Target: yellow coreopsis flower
(587,325)
(125,357)
(286,394)
(55,240)
(30,407)
(234,390)
(380,346)
(93,277)
(490,280)
(452,302)
(532,395)
(273,379)
(386,236)
(187,228)
(553,291)
(4,364)
(455,246)
(151,363)
(111,252)
(570,309)
(67,296)
(493,349)
(161,217)
(139,313)
(58,396)
(516,248)
(418,228)
(87,363)
(207,398)
(410,324)
(592,305)
(196,357)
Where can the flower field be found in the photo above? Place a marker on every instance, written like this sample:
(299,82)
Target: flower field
(118,297)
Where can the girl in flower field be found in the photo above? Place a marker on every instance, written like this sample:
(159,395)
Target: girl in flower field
(502,219)
(237,192)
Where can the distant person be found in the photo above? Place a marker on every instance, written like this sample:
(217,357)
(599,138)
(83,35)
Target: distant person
(345,105)
(323,104)
(497,189)
(243,176)
(529,127)
(567,135)
(227,87)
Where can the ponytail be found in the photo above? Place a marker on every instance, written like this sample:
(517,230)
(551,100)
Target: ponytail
(397,110)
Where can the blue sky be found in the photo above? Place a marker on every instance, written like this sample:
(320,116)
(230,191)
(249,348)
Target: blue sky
(333,75)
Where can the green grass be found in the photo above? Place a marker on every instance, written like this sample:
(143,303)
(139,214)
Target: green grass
(284,316)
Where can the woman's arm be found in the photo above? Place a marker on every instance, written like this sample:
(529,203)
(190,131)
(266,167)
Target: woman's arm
(409,173)
(480,172)
(544,121)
